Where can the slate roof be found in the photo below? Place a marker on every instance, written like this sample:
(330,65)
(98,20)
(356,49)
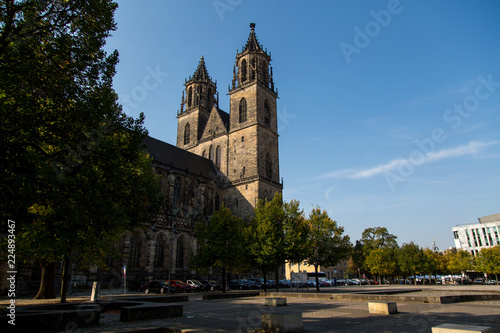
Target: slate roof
(252,42)
(201,72)
(168,155)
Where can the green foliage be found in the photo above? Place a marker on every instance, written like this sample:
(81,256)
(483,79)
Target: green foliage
(372,238)
(460,262)
(378,237)
(429,261)
(296,232)
(327,245)
(381,261)
(221,243)
(73,173)
(410,259)
(488,260)
(268,245)
(279,233)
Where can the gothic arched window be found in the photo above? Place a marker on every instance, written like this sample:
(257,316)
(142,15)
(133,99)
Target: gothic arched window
(253,68)
(180,252)
(191,195)
(190,96)
(217,201)
(267,113)
(243,110)
(159,251)
(177,194)
(211,153)
(199,94)
(269,166)
(187,134)
(135,251)
(243,70)
(217,156)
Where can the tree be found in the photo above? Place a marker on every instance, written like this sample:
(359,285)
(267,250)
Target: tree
(374,238)
(296,232)
(488,261)
(460,262)
(221,243)
(279,233)
(73,173)
(327,244)
(410,260)
(429,262)
(269,246)
(381,261)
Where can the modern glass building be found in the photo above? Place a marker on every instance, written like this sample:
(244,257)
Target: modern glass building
(474,237)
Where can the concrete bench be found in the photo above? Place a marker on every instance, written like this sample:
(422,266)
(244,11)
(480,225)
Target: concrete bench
(147,311)
(275,301)
(456,328)
(282,322)
(382,307)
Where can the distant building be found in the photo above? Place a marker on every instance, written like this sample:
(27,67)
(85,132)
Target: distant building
(474,237)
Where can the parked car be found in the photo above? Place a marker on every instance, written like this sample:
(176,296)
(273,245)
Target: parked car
(196,285)
(285,284)
(216,285)
(154,286)
(238,285)
(259,283)
(180,286)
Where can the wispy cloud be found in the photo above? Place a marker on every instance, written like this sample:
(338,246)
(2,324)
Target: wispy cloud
(472,148)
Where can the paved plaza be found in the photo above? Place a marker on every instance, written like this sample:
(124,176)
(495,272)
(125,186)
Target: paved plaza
(323,314)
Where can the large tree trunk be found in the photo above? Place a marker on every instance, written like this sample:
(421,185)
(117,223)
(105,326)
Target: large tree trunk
(46,290)
(277,278)
(64,279)
(317,278)
(224,279)
(265,280)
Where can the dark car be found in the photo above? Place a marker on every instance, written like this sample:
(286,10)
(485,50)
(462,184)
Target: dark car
(215,285)
(154,286)
(238,285)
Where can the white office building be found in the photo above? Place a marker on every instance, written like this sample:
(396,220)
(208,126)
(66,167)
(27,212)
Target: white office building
(474,237)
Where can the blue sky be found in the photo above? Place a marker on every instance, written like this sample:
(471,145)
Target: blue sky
(389,111)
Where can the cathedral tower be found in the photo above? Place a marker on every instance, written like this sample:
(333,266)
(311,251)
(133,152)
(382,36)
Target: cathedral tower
(196,105)
(253,164)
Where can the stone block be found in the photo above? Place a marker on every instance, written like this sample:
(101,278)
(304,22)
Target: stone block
(282,322)
(457,328)
(385,308)
(275,301)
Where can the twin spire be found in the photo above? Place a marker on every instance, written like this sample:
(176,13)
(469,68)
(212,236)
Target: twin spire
(252,42)
(201,73)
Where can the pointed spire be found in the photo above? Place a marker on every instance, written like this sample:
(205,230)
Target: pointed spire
(201,72)
(252,43)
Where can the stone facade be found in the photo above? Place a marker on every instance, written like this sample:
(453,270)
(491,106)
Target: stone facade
(219,157)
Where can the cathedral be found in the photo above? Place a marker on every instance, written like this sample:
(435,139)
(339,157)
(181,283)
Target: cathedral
(220,157)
